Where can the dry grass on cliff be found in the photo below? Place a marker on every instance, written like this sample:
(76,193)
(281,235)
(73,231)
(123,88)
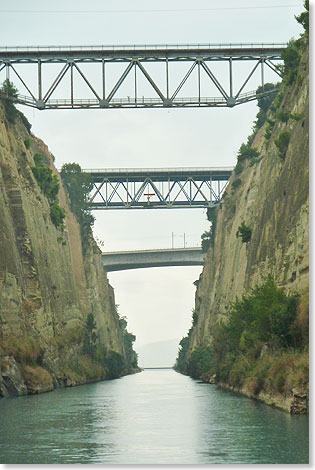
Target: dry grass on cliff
(37,376)
(88,369)
(25,350)
(279,372)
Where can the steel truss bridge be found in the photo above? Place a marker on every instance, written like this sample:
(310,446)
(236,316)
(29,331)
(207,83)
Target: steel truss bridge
(158,188)
(51,76)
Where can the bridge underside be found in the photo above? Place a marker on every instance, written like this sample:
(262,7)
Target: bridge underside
(121,261)
(178,188)
(140,76)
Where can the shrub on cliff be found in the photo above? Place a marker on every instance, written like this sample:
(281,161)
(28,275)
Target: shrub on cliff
(90,336)
(115,365)
(303,18)
(244,232)
(207,238)
(49,184)
(181,362)
(266,316)
(79,185)
(291,60)
(128,340)
(282,143)
(9,91)
(264,103)
(200,361)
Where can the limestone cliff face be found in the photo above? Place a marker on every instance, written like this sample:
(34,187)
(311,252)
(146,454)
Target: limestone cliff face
(47,286)
(272,199)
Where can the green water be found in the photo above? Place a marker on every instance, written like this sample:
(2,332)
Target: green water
(157,416)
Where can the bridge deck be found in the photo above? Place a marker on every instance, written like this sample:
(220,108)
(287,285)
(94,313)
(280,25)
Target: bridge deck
(159,174)
(124,260)
(149,52)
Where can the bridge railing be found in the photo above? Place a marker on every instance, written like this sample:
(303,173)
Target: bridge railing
(114,47)
(158,170)
(90,103)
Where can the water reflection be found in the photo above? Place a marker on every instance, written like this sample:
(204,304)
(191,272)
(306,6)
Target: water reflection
(157,416)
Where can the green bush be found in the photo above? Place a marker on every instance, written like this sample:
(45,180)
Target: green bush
(10,92)
(291,60)
(181,362)
(90,336)
(47,181)
(265,316)
(25,121)
(27,143)
(282,143)
(57,214)
(131,357)
(78,185)
(303,18)
(200,361)
(264,103)
(115,364)
(269,128)
(244,232)
(49,185)
(283,116)
(246,152)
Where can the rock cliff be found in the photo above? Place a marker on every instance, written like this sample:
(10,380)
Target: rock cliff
(270,196)
(48,287)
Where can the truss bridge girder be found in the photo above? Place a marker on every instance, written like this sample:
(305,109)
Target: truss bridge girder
(158,188)
(63,78)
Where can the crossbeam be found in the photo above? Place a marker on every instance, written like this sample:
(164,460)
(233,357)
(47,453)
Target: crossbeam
(83,77)
(157,188)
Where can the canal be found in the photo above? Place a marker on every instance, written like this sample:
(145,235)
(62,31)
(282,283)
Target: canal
(154,417)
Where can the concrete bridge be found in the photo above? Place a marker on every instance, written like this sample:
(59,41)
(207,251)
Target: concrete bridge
(123,260)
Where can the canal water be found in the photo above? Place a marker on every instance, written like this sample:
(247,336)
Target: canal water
(154,417)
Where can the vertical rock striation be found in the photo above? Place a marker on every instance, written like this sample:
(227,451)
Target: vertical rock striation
(271,197)
(47,286)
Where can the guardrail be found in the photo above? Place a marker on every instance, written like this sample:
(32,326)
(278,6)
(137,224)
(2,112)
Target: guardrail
(152,170)
(115,47)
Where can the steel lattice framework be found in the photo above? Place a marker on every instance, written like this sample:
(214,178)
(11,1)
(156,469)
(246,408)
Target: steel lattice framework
(71,67)
(158,188)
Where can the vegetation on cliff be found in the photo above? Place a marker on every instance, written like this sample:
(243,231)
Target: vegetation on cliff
(263,329)
(78,185)
(49,184)
(114,363)
(58,321)
(9,92)
(258,343)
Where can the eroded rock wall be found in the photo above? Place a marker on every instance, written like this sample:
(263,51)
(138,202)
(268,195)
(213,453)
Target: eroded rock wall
(272,199)
(47,286)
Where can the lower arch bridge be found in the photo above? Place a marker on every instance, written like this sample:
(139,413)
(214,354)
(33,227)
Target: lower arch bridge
(123,260)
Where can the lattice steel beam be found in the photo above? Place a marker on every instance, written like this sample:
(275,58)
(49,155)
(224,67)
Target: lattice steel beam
(68,64)
(158,188)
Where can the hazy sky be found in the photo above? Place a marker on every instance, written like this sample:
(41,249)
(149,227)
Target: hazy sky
(158,301)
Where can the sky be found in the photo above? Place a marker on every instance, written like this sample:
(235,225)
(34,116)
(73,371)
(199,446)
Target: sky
(157,302)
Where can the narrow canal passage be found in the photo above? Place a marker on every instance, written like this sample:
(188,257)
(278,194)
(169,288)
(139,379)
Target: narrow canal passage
(157,416)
